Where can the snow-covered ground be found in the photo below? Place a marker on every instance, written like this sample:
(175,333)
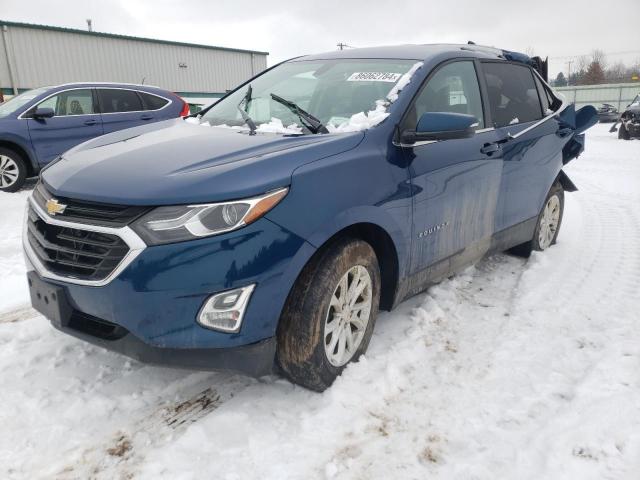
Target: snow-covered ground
(516,369)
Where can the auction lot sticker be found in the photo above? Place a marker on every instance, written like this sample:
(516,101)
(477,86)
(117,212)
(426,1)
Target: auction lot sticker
(374,77)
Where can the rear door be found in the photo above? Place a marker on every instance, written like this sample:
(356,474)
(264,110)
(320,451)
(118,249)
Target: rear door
(455,182)
(122,108)
(75,121)
(533,158)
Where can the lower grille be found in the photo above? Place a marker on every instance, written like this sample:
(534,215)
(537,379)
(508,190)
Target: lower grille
(73,252)
(95,326)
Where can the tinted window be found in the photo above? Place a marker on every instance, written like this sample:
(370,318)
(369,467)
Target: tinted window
(513,97)
(152,102)
(113,100)
(453,88)
(71,102)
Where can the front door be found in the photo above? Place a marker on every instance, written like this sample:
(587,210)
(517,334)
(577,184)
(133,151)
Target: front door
(456,183)
(75,121)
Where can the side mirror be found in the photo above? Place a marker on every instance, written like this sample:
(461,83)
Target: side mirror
(42,113)
(586,118)
(434,126)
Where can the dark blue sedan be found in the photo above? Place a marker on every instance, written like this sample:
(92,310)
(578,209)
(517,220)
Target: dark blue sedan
(269,230)
(38,125)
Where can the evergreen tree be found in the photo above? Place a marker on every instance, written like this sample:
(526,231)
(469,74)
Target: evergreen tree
(594,74)
(560,80)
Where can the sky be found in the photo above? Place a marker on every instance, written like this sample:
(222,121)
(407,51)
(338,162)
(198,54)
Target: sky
(560,30)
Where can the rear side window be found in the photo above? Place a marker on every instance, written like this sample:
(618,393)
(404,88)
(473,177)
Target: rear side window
(152,102)
(71,102)
(453,88)
(513,96)
(544,99)
(114,100)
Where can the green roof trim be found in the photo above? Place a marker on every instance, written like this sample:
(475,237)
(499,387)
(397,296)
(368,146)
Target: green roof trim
(124,37)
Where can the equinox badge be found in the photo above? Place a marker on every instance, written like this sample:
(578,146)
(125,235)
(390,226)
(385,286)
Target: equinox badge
(54,208)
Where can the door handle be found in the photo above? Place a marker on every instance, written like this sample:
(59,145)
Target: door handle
(563,132)
(90,122)
(490,148)
(146,117)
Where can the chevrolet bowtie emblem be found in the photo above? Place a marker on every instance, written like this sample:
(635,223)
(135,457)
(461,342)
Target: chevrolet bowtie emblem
(53,207)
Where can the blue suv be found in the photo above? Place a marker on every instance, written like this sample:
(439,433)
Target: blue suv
(265,233)
(38,125)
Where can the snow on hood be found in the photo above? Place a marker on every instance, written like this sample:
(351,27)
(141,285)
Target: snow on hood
(358,121)
(273,126)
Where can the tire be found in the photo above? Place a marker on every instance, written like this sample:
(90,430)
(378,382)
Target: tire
(547,228)
(305,334)
(623,133)
(13,171)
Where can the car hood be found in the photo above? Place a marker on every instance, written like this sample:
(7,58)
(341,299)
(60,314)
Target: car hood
(175,162)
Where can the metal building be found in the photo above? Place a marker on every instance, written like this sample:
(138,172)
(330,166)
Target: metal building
(37,55)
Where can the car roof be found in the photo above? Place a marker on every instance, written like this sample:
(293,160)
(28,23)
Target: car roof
(105,84)
(419,52)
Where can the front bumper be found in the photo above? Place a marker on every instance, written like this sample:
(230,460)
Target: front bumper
(157,296)
(633,129)
(256,359)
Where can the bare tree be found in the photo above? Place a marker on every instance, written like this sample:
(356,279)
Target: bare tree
(598,56)
(616,72)
(582,62)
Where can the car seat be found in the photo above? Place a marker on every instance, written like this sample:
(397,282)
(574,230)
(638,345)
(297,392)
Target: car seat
(75,108)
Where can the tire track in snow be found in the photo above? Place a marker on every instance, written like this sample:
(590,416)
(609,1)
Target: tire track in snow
(18,315)
(120,455)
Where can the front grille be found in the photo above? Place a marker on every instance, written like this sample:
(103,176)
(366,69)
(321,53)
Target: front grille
(73,252)
(90,212)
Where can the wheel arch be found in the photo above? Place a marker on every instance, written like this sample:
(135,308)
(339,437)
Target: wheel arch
(32,165)
(383,244)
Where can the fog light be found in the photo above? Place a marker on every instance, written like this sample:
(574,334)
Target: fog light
(224,311)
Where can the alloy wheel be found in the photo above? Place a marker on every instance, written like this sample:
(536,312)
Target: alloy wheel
(549,222)
(348,315)
(9,171)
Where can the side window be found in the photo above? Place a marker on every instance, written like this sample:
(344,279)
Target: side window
(513,96)
(71,102)
(453,88)
(152,102)
(114,100)
(545,100)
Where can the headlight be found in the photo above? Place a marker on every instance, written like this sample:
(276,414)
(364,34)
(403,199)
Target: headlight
(186,222)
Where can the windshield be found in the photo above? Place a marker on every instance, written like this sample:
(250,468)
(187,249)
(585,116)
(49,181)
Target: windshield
(342,95)
(18,101)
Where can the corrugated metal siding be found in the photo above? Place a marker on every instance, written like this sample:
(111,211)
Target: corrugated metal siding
(44,57)
(619,95)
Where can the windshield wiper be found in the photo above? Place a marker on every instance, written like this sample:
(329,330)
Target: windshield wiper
(243,112)
(309,121)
